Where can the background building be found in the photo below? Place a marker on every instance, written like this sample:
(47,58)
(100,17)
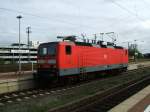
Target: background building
(10,53)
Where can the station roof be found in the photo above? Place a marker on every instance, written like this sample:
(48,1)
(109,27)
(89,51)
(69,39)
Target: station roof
(17,44)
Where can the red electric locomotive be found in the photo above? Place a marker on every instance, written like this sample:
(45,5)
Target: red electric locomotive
(68,58)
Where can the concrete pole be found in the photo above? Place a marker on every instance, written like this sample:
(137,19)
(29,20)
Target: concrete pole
(19,17)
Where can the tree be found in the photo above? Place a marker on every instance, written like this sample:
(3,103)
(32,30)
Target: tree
(133,51)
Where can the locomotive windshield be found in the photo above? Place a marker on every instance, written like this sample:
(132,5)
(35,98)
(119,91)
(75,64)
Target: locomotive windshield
(47,50)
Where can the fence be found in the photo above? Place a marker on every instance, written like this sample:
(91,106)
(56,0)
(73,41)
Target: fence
(14,67)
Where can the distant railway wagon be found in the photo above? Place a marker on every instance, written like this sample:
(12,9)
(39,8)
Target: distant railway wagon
(70,58)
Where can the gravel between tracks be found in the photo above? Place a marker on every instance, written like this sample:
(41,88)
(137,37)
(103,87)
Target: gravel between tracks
(58,98)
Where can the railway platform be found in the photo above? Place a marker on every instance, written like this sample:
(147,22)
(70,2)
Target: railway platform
(140,102)
(15,81)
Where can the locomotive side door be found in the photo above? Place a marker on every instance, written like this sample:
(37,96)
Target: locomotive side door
(81,62)
(68,50)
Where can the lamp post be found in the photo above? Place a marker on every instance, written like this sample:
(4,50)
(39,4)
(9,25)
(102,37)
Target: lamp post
(19,17)
(28,41)
(135,48)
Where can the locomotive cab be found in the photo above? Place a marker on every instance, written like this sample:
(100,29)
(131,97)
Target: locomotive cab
(47,60)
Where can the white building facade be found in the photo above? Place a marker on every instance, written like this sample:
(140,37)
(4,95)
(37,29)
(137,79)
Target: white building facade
(10,53)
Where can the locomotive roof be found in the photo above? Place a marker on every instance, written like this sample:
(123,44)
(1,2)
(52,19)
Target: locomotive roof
(49,43)
(82,44)
(103,46)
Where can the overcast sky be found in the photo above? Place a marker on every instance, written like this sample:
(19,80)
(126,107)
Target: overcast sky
(130,19)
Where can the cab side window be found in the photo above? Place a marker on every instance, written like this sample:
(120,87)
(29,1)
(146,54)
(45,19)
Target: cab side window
(68,50)
(126,52)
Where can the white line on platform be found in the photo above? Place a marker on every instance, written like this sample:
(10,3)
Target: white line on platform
(147,109)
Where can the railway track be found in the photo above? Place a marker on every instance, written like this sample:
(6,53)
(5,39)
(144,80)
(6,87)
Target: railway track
(30,94)
(17,97)
(113,98)
(104,101)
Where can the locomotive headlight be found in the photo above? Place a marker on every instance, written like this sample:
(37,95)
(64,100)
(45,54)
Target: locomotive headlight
(53,66)
(41,61)
(52,61)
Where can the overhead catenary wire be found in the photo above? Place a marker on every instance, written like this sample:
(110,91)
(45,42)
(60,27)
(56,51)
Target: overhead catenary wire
(147,3)
(127,10)
(63,21)
(29,14)
(130,12)
(42,17)
(34,15)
